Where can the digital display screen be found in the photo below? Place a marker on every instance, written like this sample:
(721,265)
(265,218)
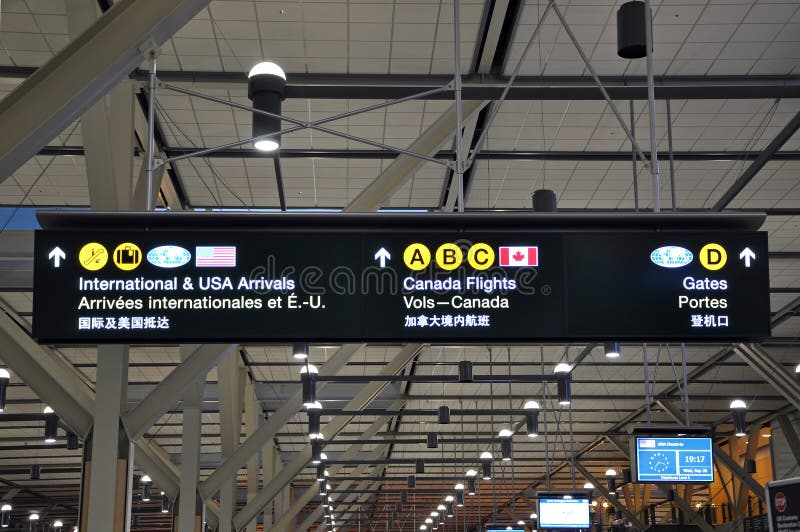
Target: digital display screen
(480,286)
(558,512)
(505,528)
(686,460)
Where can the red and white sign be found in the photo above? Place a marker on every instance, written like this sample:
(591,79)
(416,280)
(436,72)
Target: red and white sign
(215,256)
(780,501)
(519,256)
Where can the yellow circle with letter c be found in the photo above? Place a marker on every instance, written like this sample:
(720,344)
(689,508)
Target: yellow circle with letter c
(713,257)
(480,256)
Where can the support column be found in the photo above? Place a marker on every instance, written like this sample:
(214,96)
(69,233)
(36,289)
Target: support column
(231,394)
(271,463)
(252,411)
(189,509)
(107,449)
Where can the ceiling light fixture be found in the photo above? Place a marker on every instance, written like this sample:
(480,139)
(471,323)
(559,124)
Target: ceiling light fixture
(739,413)
(165,503)
(631,33)
(266,86)
(419,466)
(146,484)
(308,378)
(588,486)
(612,349)
(432,440)
(532,418)
(460,499)
(5,515)
(444,415)
(465,371)
(611,475)
(5,378)
(57,524)
(471,483)
(411,481)
(300,350)
(486,465)
(563,375)
(506,442)
(50,425)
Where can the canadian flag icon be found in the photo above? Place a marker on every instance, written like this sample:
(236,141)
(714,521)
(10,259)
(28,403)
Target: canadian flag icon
(519,256)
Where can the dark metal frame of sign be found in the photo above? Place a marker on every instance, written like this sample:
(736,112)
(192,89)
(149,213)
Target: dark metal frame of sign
(500,527)
(634,454)
(449,278)
(792,502)
(575,495)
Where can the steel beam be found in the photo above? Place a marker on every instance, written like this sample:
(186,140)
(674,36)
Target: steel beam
(54,380)
(104,504)
(169,390)
(274,423)
(252,413)
(637,524)
(790,434)
(367,394)
(190,449)
(84,70)
(771,371)
(719,454)
(232,377)
(404,166)
(766,155)
(348,454)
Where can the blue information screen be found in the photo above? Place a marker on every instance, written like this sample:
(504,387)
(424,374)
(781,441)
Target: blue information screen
(674,460)
(563,513)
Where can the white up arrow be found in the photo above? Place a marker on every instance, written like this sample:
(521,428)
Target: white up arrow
(747,255)
(382,255)
(57,255)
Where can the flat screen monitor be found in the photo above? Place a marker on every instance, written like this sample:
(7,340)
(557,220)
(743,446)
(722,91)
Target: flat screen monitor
(504,528)
(560,512)
(673,460)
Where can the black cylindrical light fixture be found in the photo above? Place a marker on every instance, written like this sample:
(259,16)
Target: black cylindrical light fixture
(322,489)
(300,350)
(403,497)
(564,381)
(308,378)
(465,371)
(314,415)
(631,34)
(419,466)
(72,441)
(411,481)
(471,486)
(459,499)
(316,451)
(626,476)
(739,413)
(398,506)
(433,440)
(320,471)
(450,512)
(612,349)
(486,465)
(532,418)
(146,492)
(5,515)
(544,200)
(611,476)
(166,505)
(444,415)
(266,85)
(50,425)
(506,442)
(36,472)
(5,378)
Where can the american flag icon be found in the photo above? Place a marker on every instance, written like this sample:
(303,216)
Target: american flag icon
(215,256)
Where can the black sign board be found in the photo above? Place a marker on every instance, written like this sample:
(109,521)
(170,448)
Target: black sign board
(783,505)
(366,282)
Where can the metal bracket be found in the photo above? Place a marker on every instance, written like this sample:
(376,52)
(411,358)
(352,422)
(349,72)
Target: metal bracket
(148,48)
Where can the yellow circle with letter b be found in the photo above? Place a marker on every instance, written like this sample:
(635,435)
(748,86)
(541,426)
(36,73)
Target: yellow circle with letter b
(449,256)
(713,257)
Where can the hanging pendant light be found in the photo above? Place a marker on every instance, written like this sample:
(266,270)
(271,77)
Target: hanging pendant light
(611,475)
(146,484)
(532,418)
(5,515)
(612,349)
(165,503)
(739,413)
(486,465)
(564,380)
(419,466)
(316,451)
(506,442)
(465,371)
(5,378)
(308,378)
(50,425)
(444,415)
(471,484)
(411,481)
(631,34)
(460,499)
(314,411)
(432,440)
(266,85)
(300,350)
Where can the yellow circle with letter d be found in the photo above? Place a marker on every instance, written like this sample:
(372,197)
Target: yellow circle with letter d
(713,257)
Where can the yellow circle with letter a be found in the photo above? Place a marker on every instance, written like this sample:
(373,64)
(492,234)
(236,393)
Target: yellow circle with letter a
(449,256)
(480,256)
(93,256)
(713,257)
(127,256)
(417,257)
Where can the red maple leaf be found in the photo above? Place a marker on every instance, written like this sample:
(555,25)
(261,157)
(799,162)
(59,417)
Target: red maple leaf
(518,256)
